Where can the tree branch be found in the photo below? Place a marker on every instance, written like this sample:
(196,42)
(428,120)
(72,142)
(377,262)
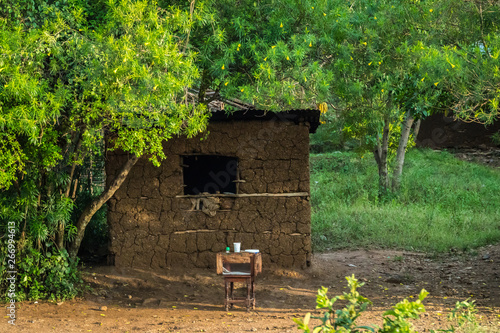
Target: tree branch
(97,203)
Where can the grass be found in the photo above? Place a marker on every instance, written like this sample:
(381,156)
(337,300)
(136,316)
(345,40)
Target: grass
(444,204)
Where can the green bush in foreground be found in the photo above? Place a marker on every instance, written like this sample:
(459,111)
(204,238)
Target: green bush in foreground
(50,275)
(394,320)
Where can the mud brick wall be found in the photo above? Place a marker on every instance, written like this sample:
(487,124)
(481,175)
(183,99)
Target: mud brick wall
(152,225)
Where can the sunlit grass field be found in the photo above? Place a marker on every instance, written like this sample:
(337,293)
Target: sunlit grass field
(444,203)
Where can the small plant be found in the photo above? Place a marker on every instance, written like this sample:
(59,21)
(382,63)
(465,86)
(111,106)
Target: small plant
(344,320)
(496,138)
(464,313)
(464,317)
(399,258)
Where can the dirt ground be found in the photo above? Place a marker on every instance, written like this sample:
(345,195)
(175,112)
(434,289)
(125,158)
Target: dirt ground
(128,300)
(486,155)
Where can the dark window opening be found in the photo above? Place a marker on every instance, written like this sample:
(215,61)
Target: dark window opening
(209,174)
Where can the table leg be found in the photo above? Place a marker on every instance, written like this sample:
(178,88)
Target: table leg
(249,293)
(226,300)
(253,295)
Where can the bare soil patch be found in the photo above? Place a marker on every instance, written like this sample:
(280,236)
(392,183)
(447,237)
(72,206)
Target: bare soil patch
(128,300)
(484,155)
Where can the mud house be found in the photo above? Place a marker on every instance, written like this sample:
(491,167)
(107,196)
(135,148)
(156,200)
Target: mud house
(247,181)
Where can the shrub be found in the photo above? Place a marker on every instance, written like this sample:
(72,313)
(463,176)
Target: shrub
(395,320)
(51,275)
(344,320)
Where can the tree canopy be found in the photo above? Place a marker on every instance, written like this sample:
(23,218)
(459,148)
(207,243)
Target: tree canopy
(380,65)
(69,80)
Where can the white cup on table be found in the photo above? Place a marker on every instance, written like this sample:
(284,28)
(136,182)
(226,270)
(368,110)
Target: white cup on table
(237,247)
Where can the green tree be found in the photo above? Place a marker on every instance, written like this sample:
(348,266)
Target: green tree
(396,62)
(71,74)
(377,54)
(251,50)
(381,65)
(289,54)
(469,35)
(286,54)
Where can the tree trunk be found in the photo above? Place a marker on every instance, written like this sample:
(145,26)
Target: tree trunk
(380,154)
(95,205)
(400,155)
(60,236)
(60,228)
(416,129)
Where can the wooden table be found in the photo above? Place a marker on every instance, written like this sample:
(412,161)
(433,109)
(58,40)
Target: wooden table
(240,267)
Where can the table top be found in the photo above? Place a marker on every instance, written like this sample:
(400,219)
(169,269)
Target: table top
(242,253)
(239,258)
